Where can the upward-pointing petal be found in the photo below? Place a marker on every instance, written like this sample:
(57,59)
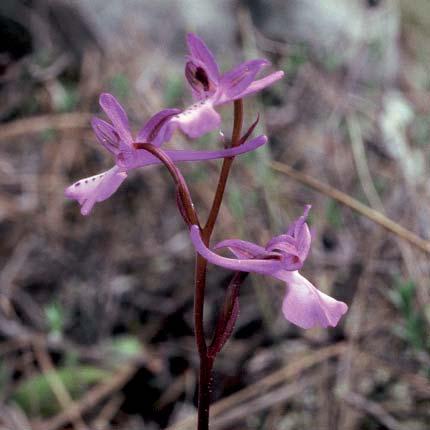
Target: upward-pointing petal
(106,135)
(299,230)
(117,115)
(201,52)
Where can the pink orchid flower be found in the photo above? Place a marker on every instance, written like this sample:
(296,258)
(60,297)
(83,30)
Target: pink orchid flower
(117,139)
(212,88)
(303,304)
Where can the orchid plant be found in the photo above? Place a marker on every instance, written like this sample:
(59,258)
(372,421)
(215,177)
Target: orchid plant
(281,258)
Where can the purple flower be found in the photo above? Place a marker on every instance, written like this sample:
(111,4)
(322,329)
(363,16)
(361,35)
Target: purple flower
(210,88)
(117,139)
(303,304)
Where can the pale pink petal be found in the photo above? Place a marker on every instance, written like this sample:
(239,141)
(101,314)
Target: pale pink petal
(284,242)
(306,306)
(242,248)
(237,80)
(260,84)
(117,115)
(240,265)
(197,120)
(201,52)
(140,158)
(89,191)
(299,230)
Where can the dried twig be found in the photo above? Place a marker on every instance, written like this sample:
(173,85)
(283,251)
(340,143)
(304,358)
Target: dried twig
(269,382)
(92,398)
(345,199)
(374,409)
(361,163)
(40,123)
(56,384)
(266,400)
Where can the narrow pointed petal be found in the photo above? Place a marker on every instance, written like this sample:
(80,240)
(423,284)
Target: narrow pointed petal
(117,115)
(260,84)
(241,265)
(242,248)
(304,239)
(106,135)
(89,191)
(236,81)
(201,52)
(294,227)
(197,120)
(306,306)
(299,230)
(156,129)
(141,158)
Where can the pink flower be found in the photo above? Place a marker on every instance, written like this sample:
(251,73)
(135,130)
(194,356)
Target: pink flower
(303,304)
(117,139)
(210,88)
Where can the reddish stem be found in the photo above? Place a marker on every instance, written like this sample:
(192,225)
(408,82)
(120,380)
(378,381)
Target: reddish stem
(225,170)
(187,209)
(206,362)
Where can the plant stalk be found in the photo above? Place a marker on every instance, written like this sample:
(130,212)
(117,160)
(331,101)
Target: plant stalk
(206,362)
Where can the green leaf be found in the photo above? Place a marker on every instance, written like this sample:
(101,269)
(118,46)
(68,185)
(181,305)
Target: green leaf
(35,396)
(126,347)
(54,314)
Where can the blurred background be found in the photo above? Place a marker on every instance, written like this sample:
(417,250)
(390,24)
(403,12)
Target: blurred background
(96,326)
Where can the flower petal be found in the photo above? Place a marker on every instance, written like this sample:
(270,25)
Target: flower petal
(306,306)
(284,242)
(96,188)
(242,248)
(198,119)
(262,83)
(106,135)
(156,130)
(201,52)
(299,230)
(237,80)
(140,158)
(117,115)
(265,267)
